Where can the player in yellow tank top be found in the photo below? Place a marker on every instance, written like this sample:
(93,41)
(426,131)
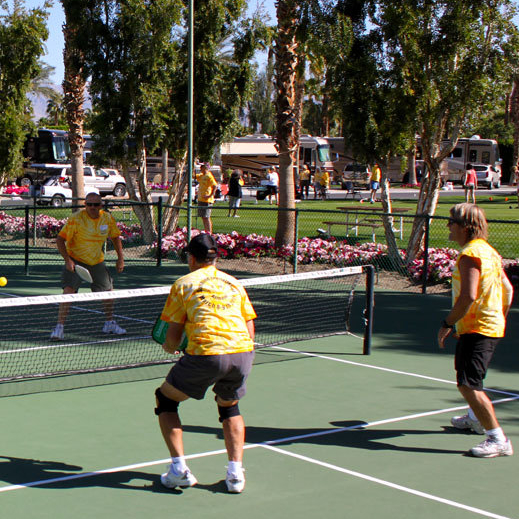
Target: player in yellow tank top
(482,295)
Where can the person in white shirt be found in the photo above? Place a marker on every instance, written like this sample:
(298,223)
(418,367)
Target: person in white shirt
(272,184)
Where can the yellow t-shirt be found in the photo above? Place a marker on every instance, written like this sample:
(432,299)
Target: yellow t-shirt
(485,315)
(85,236)
(205,184)
(214,308)
(304,174)
(325,179)
(376,174)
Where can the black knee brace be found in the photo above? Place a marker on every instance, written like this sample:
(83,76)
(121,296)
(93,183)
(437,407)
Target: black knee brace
(165,404)
(228,412)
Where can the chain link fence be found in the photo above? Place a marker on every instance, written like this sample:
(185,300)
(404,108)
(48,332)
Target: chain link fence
(326,239)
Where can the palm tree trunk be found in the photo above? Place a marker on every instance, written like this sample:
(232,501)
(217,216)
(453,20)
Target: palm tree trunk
(286,63)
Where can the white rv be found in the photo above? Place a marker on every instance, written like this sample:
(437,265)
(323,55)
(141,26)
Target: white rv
(254,153)
(475,151)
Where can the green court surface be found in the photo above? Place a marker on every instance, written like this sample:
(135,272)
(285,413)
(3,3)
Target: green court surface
(330,433)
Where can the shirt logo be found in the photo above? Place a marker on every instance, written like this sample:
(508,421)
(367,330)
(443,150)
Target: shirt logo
(103,229)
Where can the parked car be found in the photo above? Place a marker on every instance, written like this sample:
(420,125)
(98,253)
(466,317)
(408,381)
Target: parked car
(359,174)
(56,191)
(488,175)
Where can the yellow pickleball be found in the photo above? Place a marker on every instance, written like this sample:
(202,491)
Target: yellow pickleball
(3,281)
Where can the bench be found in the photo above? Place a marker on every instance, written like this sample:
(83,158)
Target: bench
(373,225)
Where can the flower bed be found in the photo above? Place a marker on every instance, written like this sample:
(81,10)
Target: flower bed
(310,251)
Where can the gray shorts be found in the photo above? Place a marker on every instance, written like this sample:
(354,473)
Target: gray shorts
(234,202)
(101,279)
(204,209)
(194,374)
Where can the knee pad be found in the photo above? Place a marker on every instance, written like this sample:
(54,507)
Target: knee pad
(228,412)
(165,404)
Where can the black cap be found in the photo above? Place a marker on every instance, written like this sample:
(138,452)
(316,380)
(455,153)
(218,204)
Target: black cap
(203,247)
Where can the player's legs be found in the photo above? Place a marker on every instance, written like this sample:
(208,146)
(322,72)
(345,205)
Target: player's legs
(64,307)
(233,431)
(481,405)
(170,424)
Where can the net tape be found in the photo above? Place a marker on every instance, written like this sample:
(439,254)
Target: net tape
(289,307)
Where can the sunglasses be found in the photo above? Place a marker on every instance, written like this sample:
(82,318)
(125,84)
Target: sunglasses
(93,204)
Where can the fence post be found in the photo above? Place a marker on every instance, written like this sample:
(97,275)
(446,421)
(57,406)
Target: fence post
(27,231)
(296,234)
(426,254)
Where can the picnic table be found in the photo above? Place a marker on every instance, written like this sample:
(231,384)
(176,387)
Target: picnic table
(367,216)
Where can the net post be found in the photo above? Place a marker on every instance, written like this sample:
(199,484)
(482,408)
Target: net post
(27,230)
(159,231)
(426,254)
(370,297)
(296,234)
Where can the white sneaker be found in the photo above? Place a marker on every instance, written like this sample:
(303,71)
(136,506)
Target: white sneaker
(171,479)
(235,482)
(58,334)
(491,448)
(113,327)
(466,423)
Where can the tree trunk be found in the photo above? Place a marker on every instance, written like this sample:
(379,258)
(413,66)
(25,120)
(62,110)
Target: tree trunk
(427,201)
(73,91)
(388,221)
(164,177)
(514,118)
(286,63)
(176,193)
(411,166)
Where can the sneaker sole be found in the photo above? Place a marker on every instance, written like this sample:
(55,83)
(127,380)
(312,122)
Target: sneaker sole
(493,455)
(169,485)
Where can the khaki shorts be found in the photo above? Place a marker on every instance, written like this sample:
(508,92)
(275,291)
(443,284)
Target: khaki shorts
(101,279)
(204,210)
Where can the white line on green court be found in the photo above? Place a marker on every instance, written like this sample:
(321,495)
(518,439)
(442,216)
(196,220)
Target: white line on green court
(388,370)
(249,446)
(386,483)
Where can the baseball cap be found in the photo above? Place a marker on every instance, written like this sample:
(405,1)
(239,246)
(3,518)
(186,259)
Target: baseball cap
(203,247)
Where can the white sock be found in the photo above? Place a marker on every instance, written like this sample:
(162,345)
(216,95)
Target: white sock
(496,434)
(179,464)
(235,467)
(472,416)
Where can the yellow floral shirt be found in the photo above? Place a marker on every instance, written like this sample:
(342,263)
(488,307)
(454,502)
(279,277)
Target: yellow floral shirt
(214,308)
(205,185)
(485,315)
(86,236)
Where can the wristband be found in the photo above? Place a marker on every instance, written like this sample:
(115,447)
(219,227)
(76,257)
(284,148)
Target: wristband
(446,325)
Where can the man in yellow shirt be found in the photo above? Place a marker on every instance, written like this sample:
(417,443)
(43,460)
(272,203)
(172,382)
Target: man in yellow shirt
(482,295)
(214,311)
(304,182)
(81,242)
(206,190)
(376,174)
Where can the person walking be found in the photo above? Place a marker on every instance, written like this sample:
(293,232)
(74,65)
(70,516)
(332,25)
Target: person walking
(470,183)
(482,295)
(214,311)
(272,185)
(206,190)
(80,242)
(235,192)
(304,182)
(376,175)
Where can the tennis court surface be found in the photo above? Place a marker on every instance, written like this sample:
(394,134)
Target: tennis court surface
(330,433)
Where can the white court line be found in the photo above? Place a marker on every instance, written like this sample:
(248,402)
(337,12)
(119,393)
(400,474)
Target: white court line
(389,370)
(249,446)
(387,483)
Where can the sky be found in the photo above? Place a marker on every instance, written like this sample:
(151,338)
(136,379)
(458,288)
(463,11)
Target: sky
(54,45)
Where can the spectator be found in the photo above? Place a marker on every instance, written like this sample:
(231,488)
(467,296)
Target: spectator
(470,183)
(206,190)
(235,192)
(273,185)
(304,182)
(376,175)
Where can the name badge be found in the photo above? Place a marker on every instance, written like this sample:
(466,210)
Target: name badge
(103,228)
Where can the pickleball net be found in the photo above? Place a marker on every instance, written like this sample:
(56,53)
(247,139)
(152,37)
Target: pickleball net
(289,307)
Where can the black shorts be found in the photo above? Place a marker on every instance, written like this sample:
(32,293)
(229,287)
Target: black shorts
(473,355)
(193,374)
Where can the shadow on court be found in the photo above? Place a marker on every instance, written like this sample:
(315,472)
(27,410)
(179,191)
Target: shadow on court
(19,471)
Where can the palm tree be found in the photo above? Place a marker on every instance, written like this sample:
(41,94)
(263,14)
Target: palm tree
(40,84)
(56,110)
(286,64)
